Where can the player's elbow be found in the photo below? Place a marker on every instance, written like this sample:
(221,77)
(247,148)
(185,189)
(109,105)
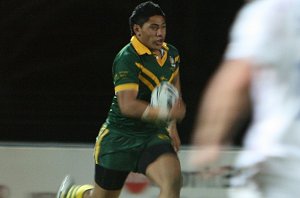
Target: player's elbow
(131,110)
(127,102)
(126,110)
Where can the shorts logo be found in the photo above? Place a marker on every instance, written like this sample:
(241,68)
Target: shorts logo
(163,137)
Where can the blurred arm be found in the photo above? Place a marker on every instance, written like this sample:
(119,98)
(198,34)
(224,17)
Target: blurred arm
(180,109)
(226,98)
(130,105)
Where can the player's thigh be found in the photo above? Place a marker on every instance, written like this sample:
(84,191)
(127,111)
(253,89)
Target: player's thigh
(166,169)
(160,163)
(116,151)
(108,182)
(155,146)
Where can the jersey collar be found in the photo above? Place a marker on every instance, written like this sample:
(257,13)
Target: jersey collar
(142,49)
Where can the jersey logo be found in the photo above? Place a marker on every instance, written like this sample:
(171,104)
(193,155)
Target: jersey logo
(120,75)
(172,61)
(162,78)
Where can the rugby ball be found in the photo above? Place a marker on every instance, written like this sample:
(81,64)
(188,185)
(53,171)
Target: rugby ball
(164,95)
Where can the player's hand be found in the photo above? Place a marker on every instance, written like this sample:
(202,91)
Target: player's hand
(175,138)
(178,110)
(205,155)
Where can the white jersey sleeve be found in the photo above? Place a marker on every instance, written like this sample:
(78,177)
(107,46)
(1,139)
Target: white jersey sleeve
(267,33)
(255,31)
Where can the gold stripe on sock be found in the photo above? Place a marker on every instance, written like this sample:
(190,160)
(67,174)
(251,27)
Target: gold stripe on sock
(71,193)
(82,189)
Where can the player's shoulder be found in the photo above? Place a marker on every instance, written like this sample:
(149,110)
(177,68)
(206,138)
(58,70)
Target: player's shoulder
(127,53)
(258,13)
(172,49)
(261,6)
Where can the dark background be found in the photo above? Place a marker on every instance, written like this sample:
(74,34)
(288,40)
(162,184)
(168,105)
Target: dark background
(56,57)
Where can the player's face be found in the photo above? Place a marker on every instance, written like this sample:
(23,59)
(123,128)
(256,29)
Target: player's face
(153,33)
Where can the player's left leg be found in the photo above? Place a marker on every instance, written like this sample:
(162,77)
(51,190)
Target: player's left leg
(108,184)
(162,166)
(69,190)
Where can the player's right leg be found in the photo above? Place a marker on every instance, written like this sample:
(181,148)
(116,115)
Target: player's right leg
(165,172)
(160,163)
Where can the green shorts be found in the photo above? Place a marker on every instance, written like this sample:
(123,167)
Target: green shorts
(116,150)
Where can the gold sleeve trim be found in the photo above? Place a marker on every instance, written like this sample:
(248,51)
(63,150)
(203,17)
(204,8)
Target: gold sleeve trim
(177,59)
(128,86)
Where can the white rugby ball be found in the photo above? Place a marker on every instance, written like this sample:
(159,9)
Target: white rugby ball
(164,95)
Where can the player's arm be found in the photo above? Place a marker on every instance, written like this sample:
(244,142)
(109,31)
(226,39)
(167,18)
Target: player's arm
(173,132)
(180,107)
(224,101)
(129,105)
(176,83)
(125,75)
(132,107)
(226,97)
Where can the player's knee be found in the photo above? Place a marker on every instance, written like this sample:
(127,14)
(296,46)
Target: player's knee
(173,182)
(177,181)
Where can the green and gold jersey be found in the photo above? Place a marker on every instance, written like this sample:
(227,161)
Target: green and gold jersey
(136,68)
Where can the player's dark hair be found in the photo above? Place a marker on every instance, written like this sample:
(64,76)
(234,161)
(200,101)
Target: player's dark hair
(143,12)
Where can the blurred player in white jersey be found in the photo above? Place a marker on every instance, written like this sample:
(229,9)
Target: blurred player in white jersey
(260,71)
